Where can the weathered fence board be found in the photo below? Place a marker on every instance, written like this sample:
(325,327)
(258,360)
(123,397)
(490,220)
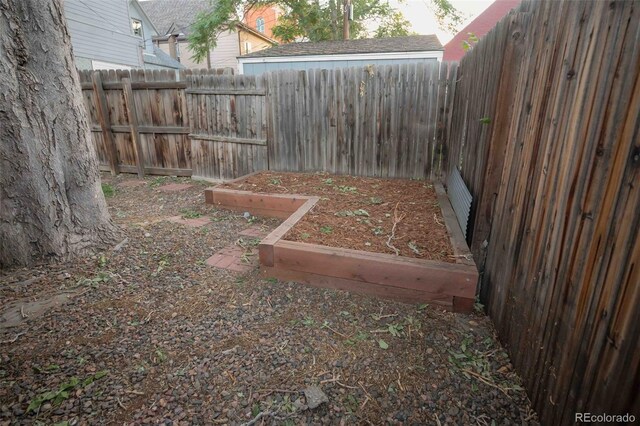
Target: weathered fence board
(139,119)
(228,129)
(546,134)
(369,121)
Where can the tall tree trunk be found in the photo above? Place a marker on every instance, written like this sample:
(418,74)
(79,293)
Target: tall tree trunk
(51,202)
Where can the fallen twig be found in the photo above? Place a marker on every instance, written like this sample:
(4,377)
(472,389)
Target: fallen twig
(22,312)
(437,419)
(396,221)
(121,404)
(15,338)
(258,417)
(337,332)
(437,221)
(485,381)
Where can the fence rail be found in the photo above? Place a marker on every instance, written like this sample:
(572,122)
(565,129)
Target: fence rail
(545,133)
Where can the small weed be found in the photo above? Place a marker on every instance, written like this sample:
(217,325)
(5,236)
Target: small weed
(485,120)
(51,368)
(275,181)
(395,329)
(161,265)
(375,200)
(361,212)
(287,405)
(326,229)
(101,277)
(378,230)
(471,359)
(344,213)
(158,356)
(305,235)
(256,409)
(349,189)
(102,261)
(160,180)
(327,181)
(99,375)
(108,190)
(478,307)
(57,396)
(272,280)
(190,214)
(383,345)
(308,321)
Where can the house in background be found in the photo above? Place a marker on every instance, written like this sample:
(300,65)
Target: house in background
(454,51)
(343,53)
(174,19)
(152,56)
(113,35)
(262,19)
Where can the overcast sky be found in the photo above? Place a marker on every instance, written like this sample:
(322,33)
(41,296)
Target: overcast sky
(421,17)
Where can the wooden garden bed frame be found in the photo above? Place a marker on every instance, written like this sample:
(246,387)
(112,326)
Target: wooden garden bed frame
(452,285)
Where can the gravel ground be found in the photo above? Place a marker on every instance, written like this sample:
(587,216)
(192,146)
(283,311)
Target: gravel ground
(149,334)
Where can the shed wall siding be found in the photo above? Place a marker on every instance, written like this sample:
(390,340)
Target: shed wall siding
(256,69)
(102,31)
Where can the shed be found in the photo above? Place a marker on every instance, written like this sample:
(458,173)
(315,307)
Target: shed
(343,53)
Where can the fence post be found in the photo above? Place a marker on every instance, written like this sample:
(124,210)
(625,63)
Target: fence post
(105,123)
(133,124)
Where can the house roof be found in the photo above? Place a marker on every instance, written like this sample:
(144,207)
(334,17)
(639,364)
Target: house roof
(480,26)
(177,17)
(161,58)
(418,43)
(173,16)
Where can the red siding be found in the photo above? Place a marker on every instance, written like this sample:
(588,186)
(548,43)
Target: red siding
(268,13)
(453,50)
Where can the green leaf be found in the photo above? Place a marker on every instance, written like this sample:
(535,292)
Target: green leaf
(100,374)
(384,345)
(485,120)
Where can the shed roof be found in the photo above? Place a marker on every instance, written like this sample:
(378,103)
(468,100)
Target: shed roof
(417,43)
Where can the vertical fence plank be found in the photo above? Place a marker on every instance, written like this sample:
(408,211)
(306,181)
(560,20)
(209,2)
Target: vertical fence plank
(105,121)
(133,124)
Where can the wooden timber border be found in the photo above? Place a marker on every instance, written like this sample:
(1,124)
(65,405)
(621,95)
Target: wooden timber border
(452,285)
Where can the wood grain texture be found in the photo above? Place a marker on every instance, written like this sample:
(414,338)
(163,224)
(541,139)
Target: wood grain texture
(554,173)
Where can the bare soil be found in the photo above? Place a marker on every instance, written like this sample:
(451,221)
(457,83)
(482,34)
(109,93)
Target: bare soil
(150,334)
(359,213)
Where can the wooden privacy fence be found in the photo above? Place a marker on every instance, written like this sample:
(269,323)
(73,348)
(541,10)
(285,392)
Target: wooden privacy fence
(228,116)
(546,134)
(139,119)
(371,121)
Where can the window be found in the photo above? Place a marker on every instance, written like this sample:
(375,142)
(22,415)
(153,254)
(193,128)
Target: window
(260,24)
(136,27)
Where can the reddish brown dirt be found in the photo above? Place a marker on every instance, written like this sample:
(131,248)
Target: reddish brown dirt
(358,213)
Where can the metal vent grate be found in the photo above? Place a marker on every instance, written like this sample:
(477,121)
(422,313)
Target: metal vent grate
(460,198)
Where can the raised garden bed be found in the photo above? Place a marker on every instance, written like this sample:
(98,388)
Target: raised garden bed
(344,232)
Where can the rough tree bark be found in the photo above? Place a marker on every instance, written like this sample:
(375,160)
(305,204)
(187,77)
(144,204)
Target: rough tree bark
(51,202)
